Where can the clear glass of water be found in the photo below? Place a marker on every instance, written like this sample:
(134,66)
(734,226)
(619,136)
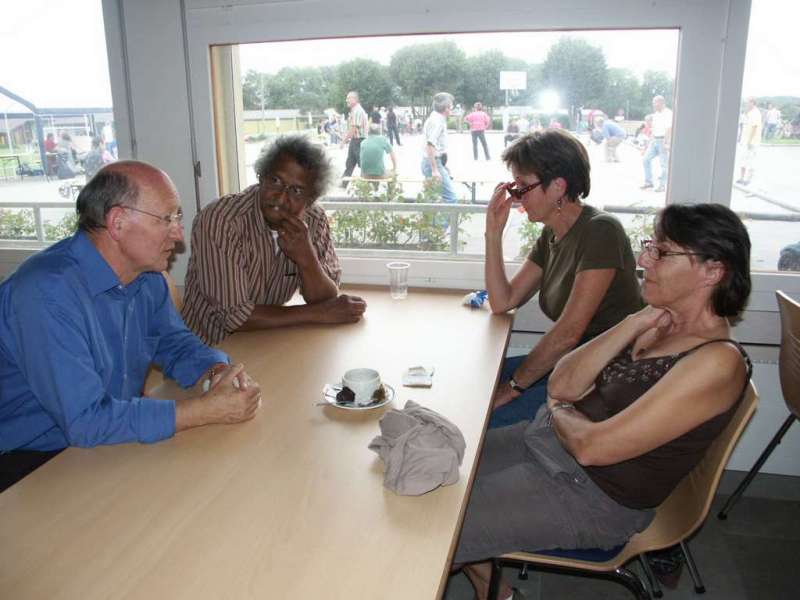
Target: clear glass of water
(398,279)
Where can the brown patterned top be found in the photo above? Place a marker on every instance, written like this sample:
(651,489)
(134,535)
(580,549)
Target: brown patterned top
(236,264)
(645,481)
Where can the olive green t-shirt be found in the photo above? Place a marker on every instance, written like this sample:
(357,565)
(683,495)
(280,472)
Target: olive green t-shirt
(596,241)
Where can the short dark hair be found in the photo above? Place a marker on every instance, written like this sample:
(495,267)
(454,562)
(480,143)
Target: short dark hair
(107,189)
(715,232)
(550,154)
(310,156)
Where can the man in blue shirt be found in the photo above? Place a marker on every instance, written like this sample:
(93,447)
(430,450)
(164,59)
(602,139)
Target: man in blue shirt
(81,322)
(613,134)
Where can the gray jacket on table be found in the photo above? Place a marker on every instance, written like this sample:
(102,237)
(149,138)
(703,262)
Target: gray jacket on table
(420,448)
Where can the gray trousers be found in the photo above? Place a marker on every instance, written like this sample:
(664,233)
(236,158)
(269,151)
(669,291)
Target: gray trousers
(529,494)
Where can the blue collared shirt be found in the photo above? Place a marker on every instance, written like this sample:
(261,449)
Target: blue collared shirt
(75,347)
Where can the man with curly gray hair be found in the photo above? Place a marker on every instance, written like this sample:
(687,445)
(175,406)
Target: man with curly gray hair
(251,251)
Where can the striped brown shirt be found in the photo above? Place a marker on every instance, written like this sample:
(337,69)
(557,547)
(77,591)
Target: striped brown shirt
(236,264)
(358,120)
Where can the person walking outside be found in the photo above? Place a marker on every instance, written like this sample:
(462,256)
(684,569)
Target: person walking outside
(479,122)
(659,144)
(434,159)
(391,126)
(357,123)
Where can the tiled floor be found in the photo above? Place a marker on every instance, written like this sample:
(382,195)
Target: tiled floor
(750,556)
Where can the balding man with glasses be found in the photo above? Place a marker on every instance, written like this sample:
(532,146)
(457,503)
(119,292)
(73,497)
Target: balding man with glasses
(82,321)
(253,250)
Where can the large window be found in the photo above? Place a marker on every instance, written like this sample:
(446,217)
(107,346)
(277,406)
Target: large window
(525,81)
(766,186)
(56,117)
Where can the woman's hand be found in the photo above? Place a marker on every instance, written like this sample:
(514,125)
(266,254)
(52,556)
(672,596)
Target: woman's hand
(651,317)
(498,210)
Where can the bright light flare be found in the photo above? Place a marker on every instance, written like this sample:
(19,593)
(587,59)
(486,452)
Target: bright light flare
(549,101)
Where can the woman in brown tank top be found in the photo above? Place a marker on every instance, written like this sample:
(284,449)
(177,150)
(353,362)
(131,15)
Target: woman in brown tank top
(630,412)
(696,277)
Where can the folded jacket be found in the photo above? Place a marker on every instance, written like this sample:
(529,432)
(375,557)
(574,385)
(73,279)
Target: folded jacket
(420,448)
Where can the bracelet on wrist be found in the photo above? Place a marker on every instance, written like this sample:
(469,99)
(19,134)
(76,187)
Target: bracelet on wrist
(562,405)
(517,387)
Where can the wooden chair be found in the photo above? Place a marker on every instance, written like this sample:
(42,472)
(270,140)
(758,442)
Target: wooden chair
(789,369)
(677,518)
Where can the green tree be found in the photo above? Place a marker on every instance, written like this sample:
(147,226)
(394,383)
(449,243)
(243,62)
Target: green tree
(303,88)
(368,77)
(422,70)
(577,71)
(253,84)
(654,83)
(482,79)
(622,92)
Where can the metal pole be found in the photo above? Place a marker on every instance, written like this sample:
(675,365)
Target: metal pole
(8,133)
(37,220)
(40,138)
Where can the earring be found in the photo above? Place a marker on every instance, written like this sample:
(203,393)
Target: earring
(559,204)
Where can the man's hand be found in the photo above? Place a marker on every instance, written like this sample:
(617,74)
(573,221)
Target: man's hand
(212,377)
(342,309)
(295,241)
(234,397)
(504,394)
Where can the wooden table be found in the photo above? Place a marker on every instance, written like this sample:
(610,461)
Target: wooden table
(288,505)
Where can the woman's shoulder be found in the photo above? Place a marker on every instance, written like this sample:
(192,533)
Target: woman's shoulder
(722,352)
(600,227)
(599,218)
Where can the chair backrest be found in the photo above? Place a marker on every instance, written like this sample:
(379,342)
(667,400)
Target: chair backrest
(790,351)
(687,506)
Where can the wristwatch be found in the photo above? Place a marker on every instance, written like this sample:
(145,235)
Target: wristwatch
(517,387)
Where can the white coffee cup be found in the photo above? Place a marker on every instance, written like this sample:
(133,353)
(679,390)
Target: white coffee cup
(363,382)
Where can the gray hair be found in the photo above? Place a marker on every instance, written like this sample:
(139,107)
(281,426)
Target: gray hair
(374,129)
(442,101)
(310,156)
(107,189)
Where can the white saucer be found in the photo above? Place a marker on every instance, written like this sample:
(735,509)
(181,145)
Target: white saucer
(331,389)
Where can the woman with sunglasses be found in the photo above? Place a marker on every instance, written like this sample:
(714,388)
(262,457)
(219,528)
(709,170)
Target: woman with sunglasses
(630,413)
(582,265)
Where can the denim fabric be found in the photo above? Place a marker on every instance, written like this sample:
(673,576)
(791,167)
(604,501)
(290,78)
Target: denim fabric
(448,193)
(525,406)
(519,503)
(656,148)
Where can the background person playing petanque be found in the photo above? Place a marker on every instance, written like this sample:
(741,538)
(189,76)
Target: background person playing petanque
(582,265)
(630,413)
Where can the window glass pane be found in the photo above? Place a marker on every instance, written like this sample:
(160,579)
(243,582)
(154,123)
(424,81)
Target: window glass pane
(766,187)
(56,116)
(599,85)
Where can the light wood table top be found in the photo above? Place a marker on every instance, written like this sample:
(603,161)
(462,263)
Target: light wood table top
(288,505)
